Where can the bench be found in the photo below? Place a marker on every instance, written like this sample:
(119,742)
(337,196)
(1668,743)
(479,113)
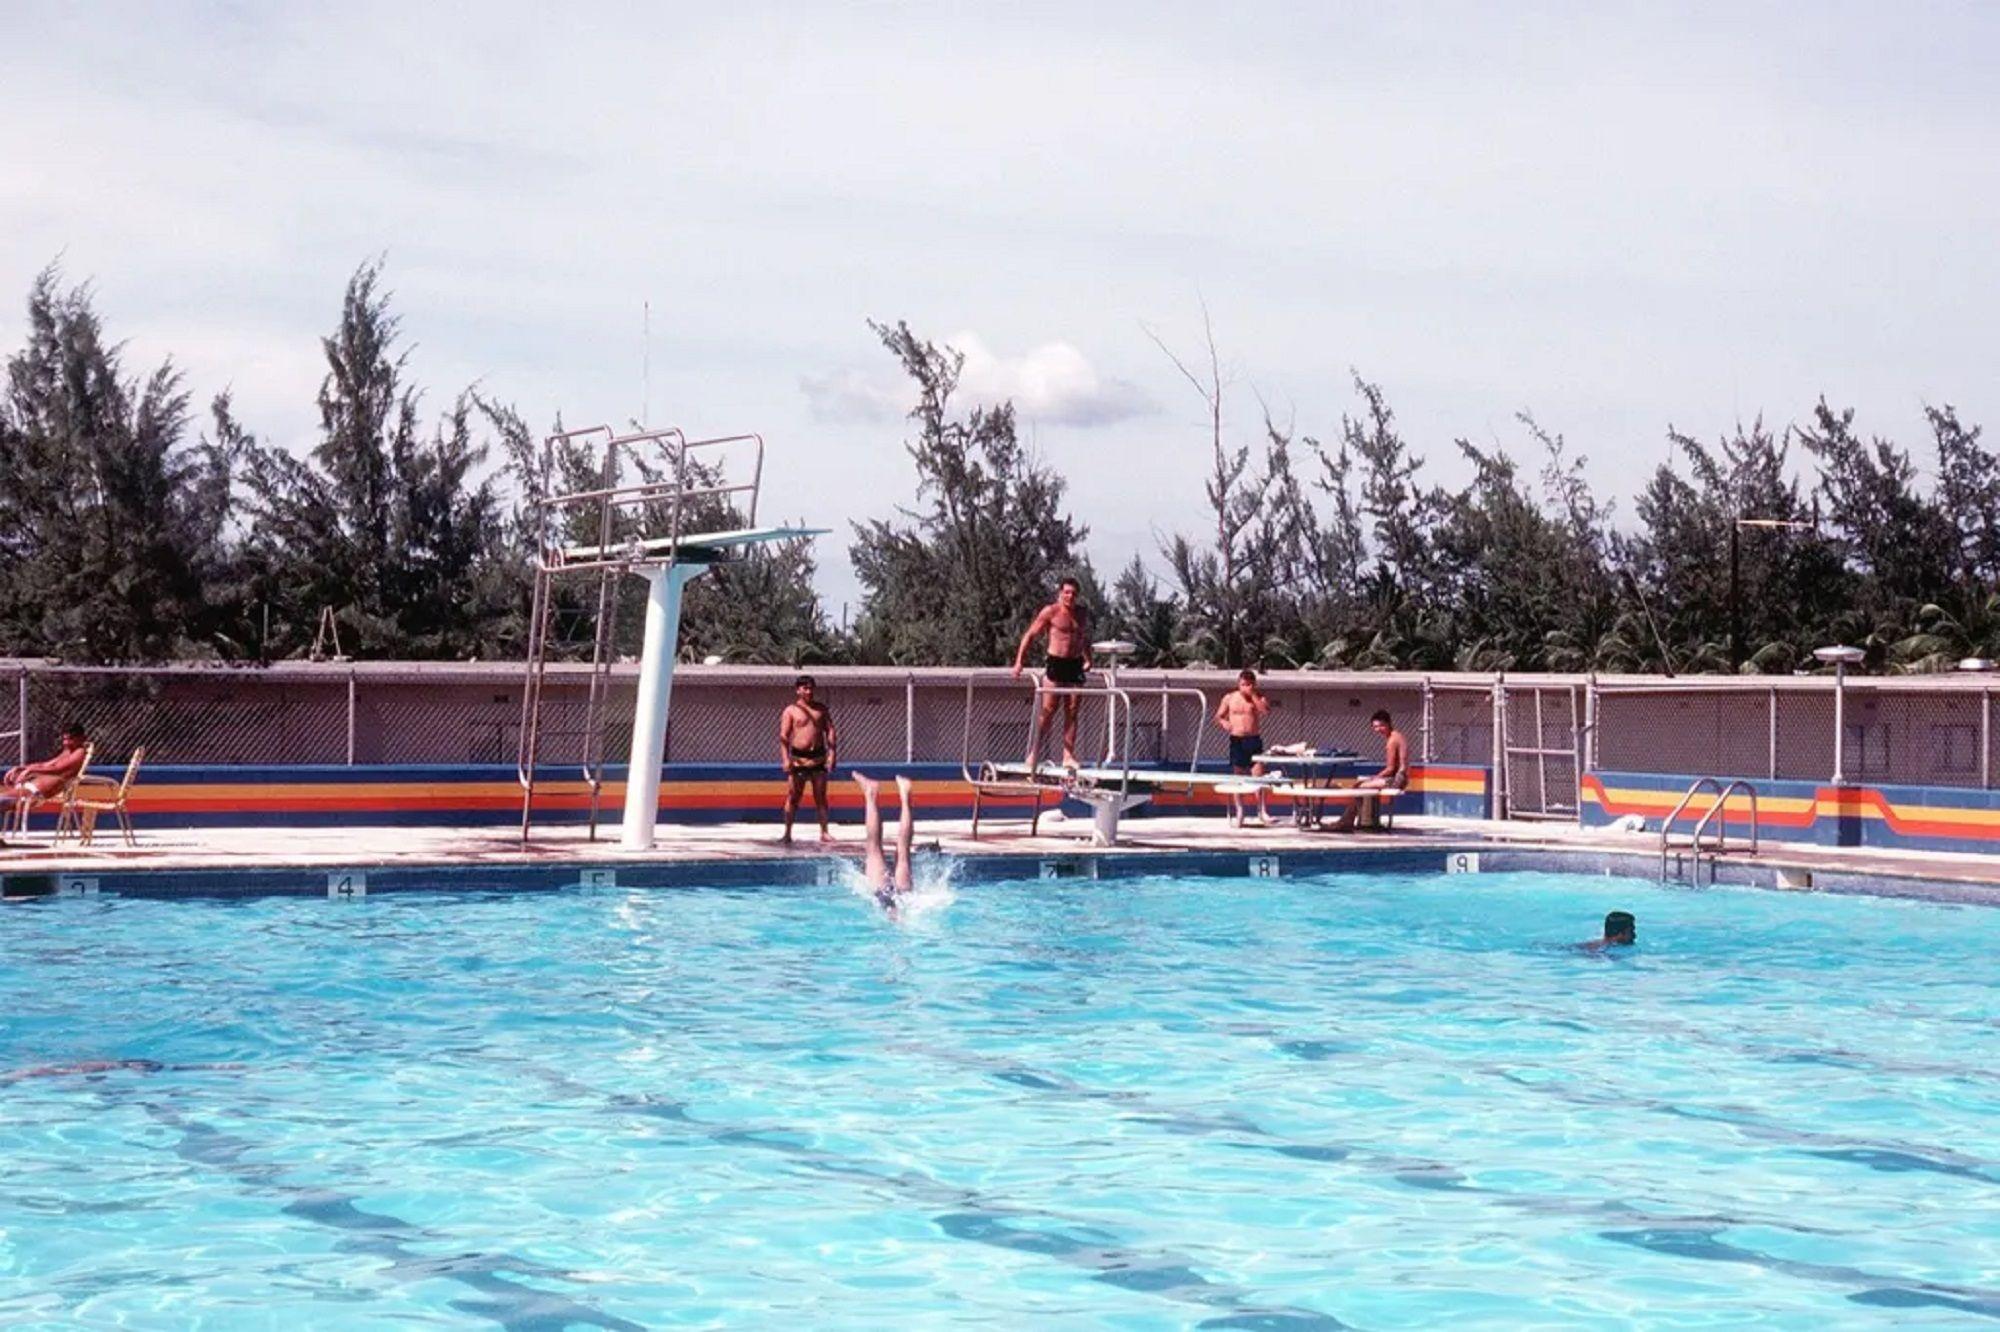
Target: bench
(1310,799)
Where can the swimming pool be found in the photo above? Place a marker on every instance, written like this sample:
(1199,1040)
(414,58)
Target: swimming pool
(1375,1101)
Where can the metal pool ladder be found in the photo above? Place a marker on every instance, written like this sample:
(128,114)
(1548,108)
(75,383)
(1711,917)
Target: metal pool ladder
(1722,794)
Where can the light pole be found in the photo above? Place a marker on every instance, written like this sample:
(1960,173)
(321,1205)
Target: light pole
(1841,658)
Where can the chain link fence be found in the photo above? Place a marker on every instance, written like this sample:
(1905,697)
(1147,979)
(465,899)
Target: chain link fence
(1910,731)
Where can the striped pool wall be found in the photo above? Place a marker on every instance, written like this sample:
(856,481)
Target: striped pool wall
(489,794)
(1906,818)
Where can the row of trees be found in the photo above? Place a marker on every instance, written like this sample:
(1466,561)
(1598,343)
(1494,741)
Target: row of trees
(134,529)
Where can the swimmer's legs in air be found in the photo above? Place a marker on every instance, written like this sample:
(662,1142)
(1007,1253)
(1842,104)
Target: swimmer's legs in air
(873,867)
(906,832)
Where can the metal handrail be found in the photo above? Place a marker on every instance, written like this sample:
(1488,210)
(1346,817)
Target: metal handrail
(1667,825)
(1114,695)
(1722,828)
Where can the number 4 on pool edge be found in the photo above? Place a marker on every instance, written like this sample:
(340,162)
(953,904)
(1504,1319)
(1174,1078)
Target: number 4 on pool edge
(347,883)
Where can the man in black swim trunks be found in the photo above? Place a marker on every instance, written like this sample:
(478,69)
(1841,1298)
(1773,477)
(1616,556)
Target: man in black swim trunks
(1069,661)
(1241,713)
(805,749)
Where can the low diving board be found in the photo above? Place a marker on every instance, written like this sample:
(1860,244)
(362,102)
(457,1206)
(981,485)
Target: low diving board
(1110,792)
(1151,779)
(690,548)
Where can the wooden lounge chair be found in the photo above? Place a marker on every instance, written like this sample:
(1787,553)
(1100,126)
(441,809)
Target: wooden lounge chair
(16,818)
(92,796)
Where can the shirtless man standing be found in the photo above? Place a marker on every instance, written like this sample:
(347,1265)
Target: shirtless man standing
(1069,660)
(805,752)
(1394,776)
(1241,713)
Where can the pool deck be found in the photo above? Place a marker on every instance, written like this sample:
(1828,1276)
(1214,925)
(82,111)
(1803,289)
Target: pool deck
(245,854)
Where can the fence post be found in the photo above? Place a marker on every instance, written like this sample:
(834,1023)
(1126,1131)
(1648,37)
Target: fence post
(21,716)
(350,716)
(1772,728)
(910,718)
(1499,747)
(1587,739)
(1429,720)
(1986,737)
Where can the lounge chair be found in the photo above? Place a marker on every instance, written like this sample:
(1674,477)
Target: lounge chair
(92,796)
(16,818)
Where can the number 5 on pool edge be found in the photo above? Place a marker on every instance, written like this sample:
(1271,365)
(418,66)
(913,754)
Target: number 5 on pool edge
(347,883)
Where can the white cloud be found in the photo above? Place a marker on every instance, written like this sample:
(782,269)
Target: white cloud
(852,397)
(1054,384)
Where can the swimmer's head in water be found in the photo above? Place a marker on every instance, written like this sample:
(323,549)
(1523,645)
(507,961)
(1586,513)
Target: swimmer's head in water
(1621,928)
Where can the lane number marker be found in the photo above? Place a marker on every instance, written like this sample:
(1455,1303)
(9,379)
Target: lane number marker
(1462,862)
(76,885)
(347,883)
(600,878)
(1264,867)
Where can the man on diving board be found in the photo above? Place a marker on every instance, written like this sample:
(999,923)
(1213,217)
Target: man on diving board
(1069,662)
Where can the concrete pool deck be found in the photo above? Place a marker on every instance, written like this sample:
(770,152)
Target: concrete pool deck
(285,859)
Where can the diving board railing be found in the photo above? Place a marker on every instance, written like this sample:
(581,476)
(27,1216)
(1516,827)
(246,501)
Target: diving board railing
(1111,786)
(612,530)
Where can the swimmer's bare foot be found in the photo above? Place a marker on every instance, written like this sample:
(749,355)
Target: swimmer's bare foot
(826,839)
(1069,761)
(869,785)
(903,788)
(1264,820)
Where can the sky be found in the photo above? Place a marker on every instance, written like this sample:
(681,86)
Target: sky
(1619,217)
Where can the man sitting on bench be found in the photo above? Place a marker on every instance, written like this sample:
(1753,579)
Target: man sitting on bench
(1394,777)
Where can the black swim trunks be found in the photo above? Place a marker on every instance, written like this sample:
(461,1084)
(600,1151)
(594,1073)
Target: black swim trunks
(809,760)
(1243,751)
(1066,671)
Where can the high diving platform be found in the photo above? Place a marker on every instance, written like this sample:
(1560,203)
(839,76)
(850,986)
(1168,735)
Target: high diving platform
(682,518)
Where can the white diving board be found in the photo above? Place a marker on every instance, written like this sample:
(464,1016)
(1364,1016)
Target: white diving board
(1111,791)
(692,548)
(1055,774)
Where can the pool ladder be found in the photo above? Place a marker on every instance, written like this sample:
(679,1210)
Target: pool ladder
(1714,812)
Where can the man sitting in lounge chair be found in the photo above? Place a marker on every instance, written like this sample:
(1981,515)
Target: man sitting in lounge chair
(45,780)
(1394,777)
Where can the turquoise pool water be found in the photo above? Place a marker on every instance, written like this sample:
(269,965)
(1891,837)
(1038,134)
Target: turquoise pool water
(1378,1102)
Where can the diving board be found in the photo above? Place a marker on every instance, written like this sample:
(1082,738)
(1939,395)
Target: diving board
(1110,787)
(1153,779)
(703,548)
(1112,792)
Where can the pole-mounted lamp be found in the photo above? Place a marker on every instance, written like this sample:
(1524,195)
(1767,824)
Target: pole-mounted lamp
(1840,658)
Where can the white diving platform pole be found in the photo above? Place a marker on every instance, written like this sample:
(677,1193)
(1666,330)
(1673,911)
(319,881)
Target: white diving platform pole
(649,715)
